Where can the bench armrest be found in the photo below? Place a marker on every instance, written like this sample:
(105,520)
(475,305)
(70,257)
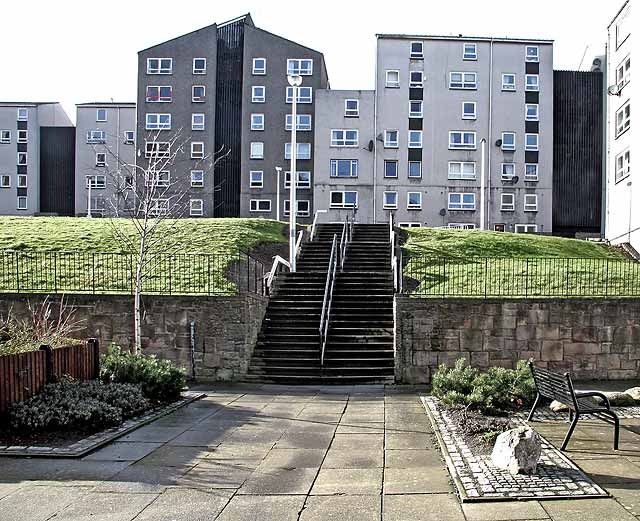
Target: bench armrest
(587,394)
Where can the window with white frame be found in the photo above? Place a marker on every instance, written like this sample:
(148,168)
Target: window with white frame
(158,121)
(459,139)
(415,169)
(303,150)
(260,205)
(623,27)
(463,80)
(258,94)
(390,200)
(415,109)
(197,121)
(462,201)
(303,208)
(531,171)
(530,203)
(159,94)
(22,180)
(22,203)
(5,181)
(23,136)
(508,141)
(507,171)
(623,164)
(303,67)
(351,108)
(416,79)
(196,207)
(129,137)
(101,159)
(199,66)
(531,112)
(161,179)
(469,51)
(197,178)
(462,170)
(344,138)
(468,110)
(531,142)
(159,206)
(257,150)
(390,168)
(532,82)
(23,114)
(415,139)
(159,65)
(623,73)
(303,180)
(343,168)
(417,50)
(532,53)
(198,93)
(257,121)
(22,158)
(623,119)
(259,67)
(410,225)
(343,199)
(391,139)
(305,94)
(5,136)
(507,202)
(304,122)
(101,115)
(509,81)
(197,150)
(157,149)
(526,228)
(96,136)
(256,179)
(392,79)
(414,200)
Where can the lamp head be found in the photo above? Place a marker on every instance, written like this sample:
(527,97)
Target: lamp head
(295,80)
(278,169)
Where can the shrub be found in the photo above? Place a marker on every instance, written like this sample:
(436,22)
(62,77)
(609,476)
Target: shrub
(71,405)
(160,380)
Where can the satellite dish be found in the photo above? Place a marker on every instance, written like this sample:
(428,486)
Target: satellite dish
(499,142)
(443,212)
(379,138)
(613,90)
(515,179)
(370,147)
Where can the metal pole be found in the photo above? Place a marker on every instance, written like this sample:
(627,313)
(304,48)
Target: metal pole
(295,82)
(89,199)
(278,170)
(483,144)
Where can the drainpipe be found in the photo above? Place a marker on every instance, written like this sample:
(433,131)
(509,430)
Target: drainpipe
(483,146)
(192,331)
(375,134)
(489,135)
(604,211)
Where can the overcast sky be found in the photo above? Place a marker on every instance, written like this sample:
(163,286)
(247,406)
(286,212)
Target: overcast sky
(78,51)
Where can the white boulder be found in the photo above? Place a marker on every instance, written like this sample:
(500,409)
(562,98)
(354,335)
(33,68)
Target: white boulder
(557,406)
(517,451)
(634,392)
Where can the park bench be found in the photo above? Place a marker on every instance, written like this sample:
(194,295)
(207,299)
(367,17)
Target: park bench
(558,387)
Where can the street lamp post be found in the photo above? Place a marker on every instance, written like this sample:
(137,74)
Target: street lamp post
(89,198)
(295,81)
(278,170)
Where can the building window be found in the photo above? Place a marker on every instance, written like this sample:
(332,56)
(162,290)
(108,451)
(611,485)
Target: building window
(305,95)
(531,172)
(304,122)
(23,136)
(129,137)
(417,50)
(5,181)
(462,170)
(415,169)
(390,168)
(623,73)
(159,206)
(161,179)
(303,180)
(157,149)
(199,66)
(256,179)
(507,202)
(22,181)
(415,109)
(414,200)
(623,119)
(22,158)
(462,140)
(391,139)
(392,79)
(409,225)
(101,115)
(468,110)
(96,136)
(531,112)
(257,121)
(257,150)
(198,93)
(158,121)
(532,54)
(343,199)
(508,141)
(260,205)
(623,165)
(530,203)
(101,159)
(196,207)
(159,65)
(258,94)
(507,171)
(463,80)
(259,67)
(96,181)
(197,178)
(415,139)
(22,203)
(303,150)
(462,201)
(390,200)
(23,114)
(531,142)
(302,67)
(509,82)
(526,228)
(469,51)
(159,94)
(344,138)
(197,121)
(303,208)
(532,82)
(197,150)
(416,79)
(344,167)
(5,136)
(351,108)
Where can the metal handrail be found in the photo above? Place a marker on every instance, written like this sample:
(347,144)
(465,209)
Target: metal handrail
(315,222)
(328,297)
(344,240)
(299,242)
(277,262)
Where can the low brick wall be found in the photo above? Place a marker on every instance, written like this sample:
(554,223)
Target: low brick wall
(591,338)
(225,327)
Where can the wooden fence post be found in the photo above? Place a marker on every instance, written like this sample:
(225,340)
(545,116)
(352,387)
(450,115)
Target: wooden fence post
(48,363)
(94,345)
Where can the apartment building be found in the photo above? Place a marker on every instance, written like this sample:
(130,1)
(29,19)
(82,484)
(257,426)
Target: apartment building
(36,159)
(622,221)
(220,97)
(437,98)
(105,155)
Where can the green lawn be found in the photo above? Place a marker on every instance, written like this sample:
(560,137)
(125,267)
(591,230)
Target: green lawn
(476,264)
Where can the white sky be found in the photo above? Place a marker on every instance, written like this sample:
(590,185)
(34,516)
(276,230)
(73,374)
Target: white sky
(78,51)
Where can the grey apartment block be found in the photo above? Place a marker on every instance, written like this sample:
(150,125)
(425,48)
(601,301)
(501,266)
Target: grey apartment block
(21,145)
(344,154)
(105,155)
(464,90)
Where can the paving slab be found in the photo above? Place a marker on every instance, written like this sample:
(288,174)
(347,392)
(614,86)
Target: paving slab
(262,508)
(152,433)
(174,456)
(612,471)
(9,488)
(361,428)
(100,506)
(348,482)
(143,478)
(210,437)
(304,440)
(358,441)
(341,508)
(504,511)
(279,481)
(38,503)
(123,451)
(294,458)
(418,507)
(587,510)
(408,440)
(413,458)
(214,474)
(353,459)
(186,505)
(423,480)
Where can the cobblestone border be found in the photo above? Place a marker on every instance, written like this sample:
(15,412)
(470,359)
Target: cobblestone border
(82,447)
(477,479)
(545,414)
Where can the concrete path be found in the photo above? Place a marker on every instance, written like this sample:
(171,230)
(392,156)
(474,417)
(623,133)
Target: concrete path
(281,453)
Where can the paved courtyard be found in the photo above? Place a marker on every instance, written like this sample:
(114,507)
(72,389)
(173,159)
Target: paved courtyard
(284,453)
